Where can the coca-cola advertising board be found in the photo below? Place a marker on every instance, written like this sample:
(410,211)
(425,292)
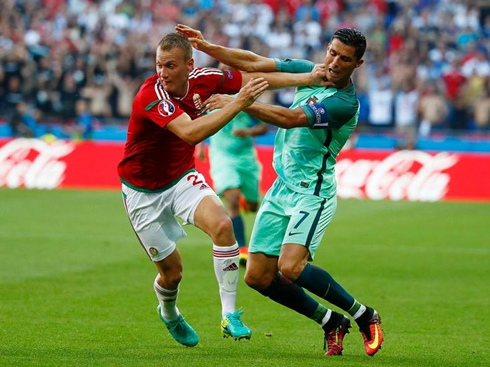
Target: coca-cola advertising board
(363,174)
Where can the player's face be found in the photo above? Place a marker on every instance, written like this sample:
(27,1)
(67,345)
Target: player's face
(173,70)
(340,62)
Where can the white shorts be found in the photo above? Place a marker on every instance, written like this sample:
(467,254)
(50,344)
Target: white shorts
(152,215)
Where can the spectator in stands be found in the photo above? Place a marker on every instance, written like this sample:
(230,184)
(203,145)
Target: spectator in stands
(478,65)
(67,97)
(406,102)
(84,122)
(126,88)
(459,114)
(364,109)
(481,110)
(98,92)
(23,122)
(381,102)
(453,79)
(14,94)
(414,40)
(432,109)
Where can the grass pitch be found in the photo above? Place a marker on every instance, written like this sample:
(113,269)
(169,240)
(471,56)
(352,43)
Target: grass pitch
(76,288)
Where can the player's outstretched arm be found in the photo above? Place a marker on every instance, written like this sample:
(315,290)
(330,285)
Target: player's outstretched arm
(195,131)
(254,65)
(274,115)
(284,80)
(235,58)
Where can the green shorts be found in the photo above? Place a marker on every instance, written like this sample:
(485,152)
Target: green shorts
(287,216)
(236,173)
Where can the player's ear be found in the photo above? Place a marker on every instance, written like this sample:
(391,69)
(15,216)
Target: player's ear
(359,63)
(190,64)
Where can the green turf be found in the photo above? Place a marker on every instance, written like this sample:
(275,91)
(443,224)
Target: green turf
(76,288)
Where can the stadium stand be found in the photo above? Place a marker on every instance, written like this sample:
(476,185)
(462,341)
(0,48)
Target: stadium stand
(425,85)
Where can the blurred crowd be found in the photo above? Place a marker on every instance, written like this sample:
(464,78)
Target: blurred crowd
(80,62)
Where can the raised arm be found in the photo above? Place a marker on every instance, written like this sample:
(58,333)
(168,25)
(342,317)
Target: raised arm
(253,65)
(235,58)
(195,131)
(284,80)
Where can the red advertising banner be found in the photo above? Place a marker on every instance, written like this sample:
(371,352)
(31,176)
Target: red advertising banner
(364,174)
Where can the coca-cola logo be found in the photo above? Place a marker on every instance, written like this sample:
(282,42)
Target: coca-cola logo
(412,175)
(33,163)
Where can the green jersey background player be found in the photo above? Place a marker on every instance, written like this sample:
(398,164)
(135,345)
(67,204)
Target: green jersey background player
(236,170)
(300,204)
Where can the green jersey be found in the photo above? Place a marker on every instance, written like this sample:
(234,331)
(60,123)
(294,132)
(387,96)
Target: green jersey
(225,143)
(304,158)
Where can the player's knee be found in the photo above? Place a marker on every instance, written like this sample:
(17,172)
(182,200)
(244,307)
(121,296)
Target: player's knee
(256,281)
(174,279)
(171,278)
(222,227)
(290,271)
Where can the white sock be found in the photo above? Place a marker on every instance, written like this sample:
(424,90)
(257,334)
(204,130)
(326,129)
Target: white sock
(226,270)
(168,300)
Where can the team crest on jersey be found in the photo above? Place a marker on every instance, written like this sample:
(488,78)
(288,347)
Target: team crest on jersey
(312,100)
(196,98)
(153,251)
(166,108)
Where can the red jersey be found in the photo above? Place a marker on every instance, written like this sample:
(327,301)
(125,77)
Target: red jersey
(154,157)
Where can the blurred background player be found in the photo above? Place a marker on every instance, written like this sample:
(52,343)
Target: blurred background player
(236,170)
(300,204)
(159,180)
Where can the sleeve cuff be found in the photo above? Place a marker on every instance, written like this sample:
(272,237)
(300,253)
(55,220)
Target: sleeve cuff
(309,114)
(278,64)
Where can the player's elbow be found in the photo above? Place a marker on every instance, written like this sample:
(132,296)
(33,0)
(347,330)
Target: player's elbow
(190,135)
(250,63)
(192,138)
(257,64)
(186,129)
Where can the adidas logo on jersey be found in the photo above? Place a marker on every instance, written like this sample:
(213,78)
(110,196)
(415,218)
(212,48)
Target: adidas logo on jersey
(204,186)
(231,267)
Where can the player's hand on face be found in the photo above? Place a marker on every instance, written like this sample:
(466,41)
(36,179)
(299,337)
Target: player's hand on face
(318,75)
(251,91)
(216,102)
(195,37)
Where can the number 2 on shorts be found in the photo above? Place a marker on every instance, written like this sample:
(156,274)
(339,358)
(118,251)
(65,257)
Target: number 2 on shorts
(196,179)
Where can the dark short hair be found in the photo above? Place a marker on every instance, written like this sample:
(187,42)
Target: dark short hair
(173,40)
(352,37)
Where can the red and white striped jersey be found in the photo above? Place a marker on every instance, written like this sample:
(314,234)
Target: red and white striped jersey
(154,157)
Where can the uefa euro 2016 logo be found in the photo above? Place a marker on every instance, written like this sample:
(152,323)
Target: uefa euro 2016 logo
(166,108)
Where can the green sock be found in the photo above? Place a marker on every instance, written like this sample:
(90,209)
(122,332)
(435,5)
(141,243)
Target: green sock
(357,309)
(321,283)
(319,313)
